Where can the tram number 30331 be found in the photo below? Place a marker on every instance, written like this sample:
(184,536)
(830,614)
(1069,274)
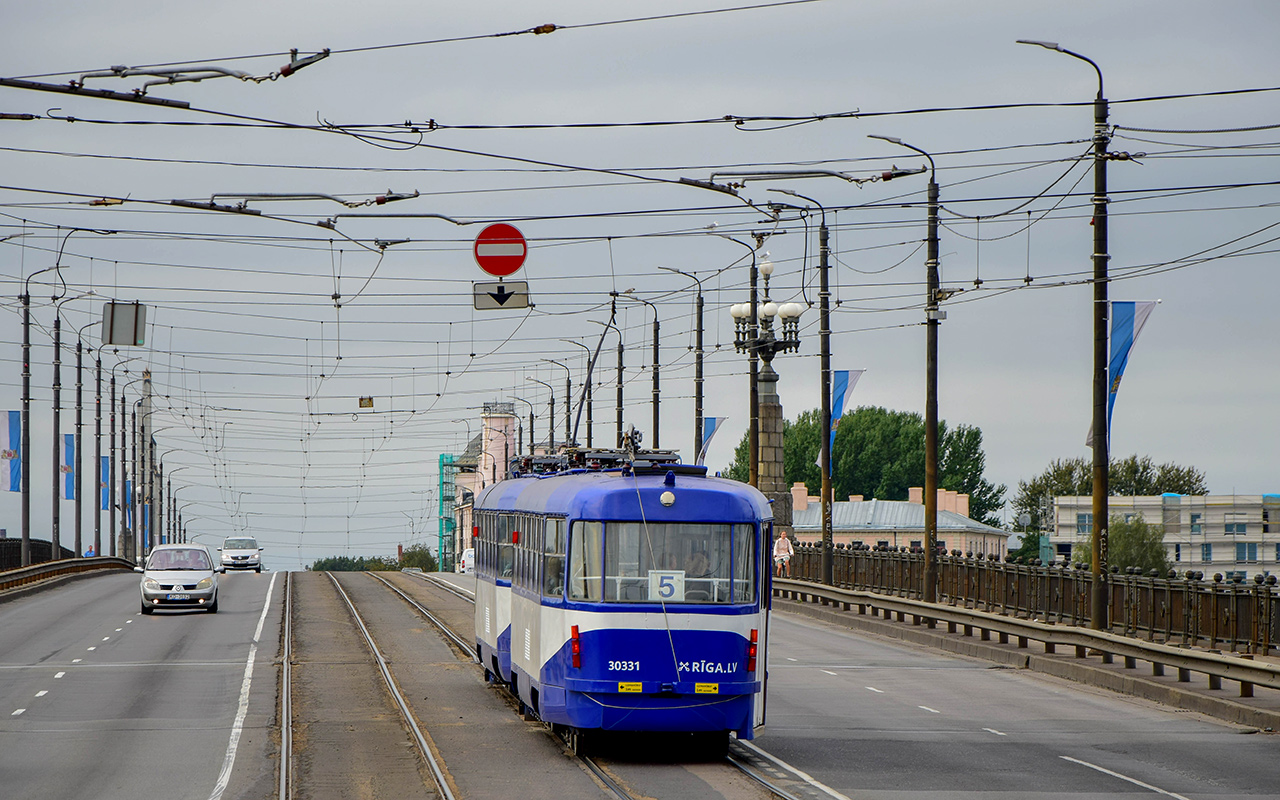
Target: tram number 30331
(624,666)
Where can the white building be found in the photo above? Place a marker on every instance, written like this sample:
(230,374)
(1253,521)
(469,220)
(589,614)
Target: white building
(1232,534)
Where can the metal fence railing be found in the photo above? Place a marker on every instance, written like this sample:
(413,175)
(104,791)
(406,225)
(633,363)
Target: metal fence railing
(1183,609)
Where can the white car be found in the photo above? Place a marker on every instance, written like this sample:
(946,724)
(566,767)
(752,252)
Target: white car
(467,563)
(241,552)
(179,576)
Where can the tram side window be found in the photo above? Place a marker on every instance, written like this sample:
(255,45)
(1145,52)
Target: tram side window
(744,549)
(506,558)
(553,558)
(585,581)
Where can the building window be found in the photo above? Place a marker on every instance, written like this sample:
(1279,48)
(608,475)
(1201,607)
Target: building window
(1278,552)
(1206,553)
(1246,552)
(1231,576)
(1235,527)
(916,545)
(1177,552)
(882,543)
(942,547)
(1084,523)
(1195,523)
(1064,550)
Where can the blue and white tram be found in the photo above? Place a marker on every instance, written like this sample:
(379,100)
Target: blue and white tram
(630,599)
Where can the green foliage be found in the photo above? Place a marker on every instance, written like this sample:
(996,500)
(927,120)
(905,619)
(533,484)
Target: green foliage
(419,556)
(1132,476)
(1136,543)
(1029,548)
(348,564)
(879,453)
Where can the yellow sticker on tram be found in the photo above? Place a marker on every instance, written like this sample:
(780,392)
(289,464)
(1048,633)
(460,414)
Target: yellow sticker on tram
(629,687)
(706,688)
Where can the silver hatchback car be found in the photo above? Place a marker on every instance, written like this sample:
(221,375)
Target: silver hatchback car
(179,576)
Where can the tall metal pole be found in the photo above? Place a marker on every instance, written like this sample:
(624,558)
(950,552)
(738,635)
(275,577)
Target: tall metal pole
(929,591)
(25,455)
(619,402)
(54,533)
(697,364)
(97,458)
(1101,452)
(115,468)
(551,415)
(79,475)
(586,385)
(753,433)
(824,338)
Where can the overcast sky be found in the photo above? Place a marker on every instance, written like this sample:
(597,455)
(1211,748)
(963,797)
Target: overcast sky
(260,374)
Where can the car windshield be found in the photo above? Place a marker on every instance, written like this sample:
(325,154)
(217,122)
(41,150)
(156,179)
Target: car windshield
(179,559)
(240,544)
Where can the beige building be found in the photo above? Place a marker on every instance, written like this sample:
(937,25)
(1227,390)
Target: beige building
(896,523)
(482,464)
(1232,534)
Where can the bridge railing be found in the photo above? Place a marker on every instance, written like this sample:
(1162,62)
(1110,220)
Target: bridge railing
(1180,609)
(23,576)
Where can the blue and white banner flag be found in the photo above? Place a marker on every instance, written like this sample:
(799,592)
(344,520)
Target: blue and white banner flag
(11,449)
(842,383)
(68,466)
(128,504)
(1127,320)
(104,482)
(709,427)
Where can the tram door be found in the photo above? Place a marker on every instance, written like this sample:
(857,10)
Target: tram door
(764,557)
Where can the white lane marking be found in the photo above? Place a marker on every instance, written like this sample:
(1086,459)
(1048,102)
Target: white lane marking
(829,672)
(42,693)
(930,710)
(106,638)
(119,629)
(1134,781)
(128,621)
(59,675)
(236,727)
(789,658)
(874,689)
(78,660)
(807,778)
(996,732)
(92,649)
(16,713)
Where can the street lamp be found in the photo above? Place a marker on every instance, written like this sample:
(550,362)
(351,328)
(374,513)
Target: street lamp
(1101,454)
(933,318)
(586,396)
(621,349)
(697,362)
(753,427)
(568,394)
(656,394)
(520,445)
(551,417)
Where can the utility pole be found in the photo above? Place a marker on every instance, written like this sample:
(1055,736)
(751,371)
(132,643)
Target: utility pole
(1101,451)
(55,538)
(697,362)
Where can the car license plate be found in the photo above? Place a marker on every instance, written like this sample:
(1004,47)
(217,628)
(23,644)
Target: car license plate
(178,597)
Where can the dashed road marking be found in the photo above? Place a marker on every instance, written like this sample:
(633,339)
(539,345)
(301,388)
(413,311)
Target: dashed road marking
(996,732)
(1134,781)
(789,658)
(874,689)
(78,660)
(59,675)
(119,629)
(16,713)
(829,672)
(930,710)
(106,638)
(92,648)
(42,693)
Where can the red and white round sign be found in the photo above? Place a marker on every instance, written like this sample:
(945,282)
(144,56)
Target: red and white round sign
(500,249)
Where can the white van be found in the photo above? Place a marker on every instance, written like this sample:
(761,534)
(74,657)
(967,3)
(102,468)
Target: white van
(241,552)
(467,563)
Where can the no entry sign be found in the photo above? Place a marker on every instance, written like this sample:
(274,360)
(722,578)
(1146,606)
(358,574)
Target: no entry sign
(500,249)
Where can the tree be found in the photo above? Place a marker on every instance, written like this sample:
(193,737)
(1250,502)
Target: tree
(359,564)
(1135,543)
(879,453)
(1132,476)
(419,556)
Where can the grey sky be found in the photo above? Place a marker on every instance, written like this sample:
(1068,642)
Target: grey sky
(244,324)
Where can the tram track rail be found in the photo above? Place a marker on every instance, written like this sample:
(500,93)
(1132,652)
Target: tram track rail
(406,712)
(286,695)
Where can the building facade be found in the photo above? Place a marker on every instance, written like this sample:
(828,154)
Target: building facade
(1232,534)
(896,523)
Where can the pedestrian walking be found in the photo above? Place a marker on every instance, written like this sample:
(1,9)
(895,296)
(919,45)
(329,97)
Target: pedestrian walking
(782,552)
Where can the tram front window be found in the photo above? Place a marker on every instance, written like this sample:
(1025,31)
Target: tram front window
(677,563)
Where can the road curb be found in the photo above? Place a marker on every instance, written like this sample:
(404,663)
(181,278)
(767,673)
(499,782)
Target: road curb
(1115,678)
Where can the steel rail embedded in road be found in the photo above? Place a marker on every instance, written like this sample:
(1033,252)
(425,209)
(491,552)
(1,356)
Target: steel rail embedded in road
(286,699)
(457,640)
(470,597)
(406,714)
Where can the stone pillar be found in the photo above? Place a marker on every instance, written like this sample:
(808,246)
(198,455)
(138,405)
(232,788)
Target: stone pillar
(773,483)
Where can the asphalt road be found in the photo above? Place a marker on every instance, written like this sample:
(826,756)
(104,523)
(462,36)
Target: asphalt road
(98,701)
(877,719)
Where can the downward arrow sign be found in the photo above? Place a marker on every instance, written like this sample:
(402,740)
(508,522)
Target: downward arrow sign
(502,295)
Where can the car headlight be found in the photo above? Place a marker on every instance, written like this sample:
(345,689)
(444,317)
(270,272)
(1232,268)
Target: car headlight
(205,583)
(152,584)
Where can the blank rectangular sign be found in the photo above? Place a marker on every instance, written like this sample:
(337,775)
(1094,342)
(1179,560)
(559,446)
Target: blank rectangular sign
(124,323)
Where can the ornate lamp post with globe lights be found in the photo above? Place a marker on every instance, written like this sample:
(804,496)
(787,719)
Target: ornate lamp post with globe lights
(755,333)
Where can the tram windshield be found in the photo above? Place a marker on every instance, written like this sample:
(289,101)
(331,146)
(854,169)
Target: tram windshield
(668,562)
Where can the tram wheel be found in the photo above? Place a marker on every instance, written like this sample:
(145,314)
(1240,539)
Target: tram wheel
(579,742)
